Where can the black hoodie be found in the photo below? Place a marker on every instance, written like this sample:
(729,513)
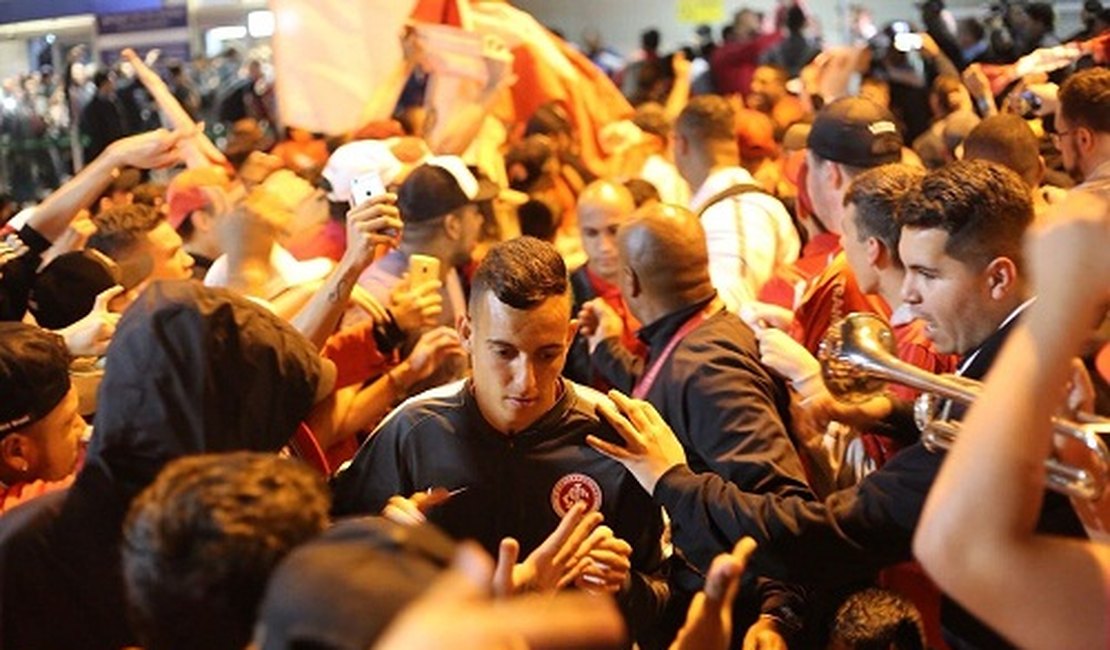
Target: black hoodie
(190,370)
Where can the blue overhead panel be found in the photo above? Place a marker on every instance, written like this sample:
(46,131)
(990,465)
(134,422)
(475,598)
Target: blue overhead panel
(13,11)
(120,6)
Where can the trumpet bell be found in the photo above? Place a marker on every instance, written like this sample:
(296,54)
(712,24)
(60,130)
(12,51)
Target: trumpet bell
(858,359)
(850,346)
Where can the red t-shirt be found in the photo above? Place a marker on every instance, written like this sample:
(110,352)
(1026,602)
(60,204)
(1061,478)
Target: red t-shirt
(733,64)
(782,289)
(20,493)
(356,355)
(829,298)
(357,360)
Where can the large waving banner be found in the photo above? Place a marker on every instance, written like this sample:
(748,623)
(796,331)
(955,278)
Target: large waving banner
(338,63)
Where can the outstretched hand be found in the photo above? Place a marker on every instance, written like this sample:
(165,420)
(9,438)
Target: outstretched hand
(709,619)
(432,350)
(781,353)
(456,611)
(150,150)
(91,335)
(416,307)
(598,321)
(1067,255)
(651,447)
(555,564)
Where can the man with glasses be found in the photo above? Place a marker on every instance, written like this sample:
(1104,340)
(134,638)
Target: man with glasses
(1083,129)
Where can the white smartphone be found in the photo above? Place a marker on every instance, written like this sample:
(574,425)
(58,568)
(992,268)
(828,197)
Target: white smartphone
(422,269)
(907,42)
(365,187)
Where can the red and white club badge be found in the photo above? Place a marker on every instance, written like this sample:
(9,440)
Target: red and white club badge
(573,488)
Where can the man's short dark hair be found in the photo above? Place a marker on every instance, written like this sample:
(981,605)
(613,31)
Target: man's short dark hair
(537,219)
(649,39)
(1008,140)
(101,77)
(877,193)
(1043,13)
(642,191)
(200,542)
(876,619)
(521,272)
(795,19)
(1085,99)
(119,229)
(781,73)
(549,119)
(706,118)
(984,207)
(149,193)
(973,27)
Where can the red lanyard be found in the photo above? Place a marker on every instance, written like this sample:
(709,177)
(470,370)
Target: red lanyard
(644,385)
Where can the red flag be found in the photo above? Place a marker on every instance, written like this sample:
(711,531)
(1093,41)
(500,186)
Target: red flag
(444,12)
(548,69)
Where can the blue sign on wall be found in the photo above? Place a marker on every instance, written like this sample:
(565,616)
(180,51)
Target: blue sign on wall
(142,21)
(12,11)
(120,6)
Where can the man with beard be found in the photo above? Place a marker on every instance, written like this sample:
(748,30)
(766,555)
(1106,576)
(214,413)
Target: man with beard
(441,207)
(770,96)
(1083,129)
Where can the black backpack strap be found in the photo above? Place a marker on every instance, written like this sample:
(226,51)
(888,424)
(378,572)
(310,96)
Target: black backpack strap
(728,193)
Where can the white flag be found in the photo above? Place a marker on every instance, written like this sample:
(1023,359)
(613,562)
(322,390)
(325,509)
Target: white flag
(338,63)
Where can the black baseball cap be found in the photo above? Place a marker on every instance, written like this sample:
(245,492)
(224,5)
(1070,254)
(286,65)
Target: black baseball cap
(343,589)
(34,374)
(440,186)
(65,291)
(857,132)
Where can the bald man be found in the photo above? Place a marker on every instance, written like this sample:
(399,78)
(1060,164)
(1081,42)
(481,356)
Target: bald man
(702,372)
(603,206)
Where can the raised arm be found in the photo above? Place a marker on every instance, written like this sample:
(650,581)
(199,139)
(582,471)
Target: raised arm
(977,537)
(198,151)
(149,150)
(368,226)
(451,132)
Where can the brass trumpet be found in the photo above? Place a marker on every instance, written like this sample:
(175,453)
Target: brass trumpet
(858,359)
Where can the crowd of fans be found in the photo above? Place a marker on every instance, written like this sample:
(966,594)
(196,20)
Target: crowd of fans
(567,395)
(52,122)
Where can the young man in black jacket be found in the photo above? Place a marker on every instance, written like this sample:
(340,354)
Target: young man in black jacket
(504,453)
(961,244)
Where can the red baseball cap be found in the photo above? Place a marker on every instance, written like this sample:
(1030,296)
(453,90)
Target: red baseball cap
(194,189)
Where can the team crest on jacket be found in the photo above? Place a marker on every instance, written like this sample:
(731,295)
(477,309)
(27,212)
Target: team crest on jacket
(573,488)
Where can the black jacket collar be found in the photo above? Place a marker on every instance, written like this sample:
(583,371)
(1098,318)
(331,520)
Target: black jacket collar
(658,333)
